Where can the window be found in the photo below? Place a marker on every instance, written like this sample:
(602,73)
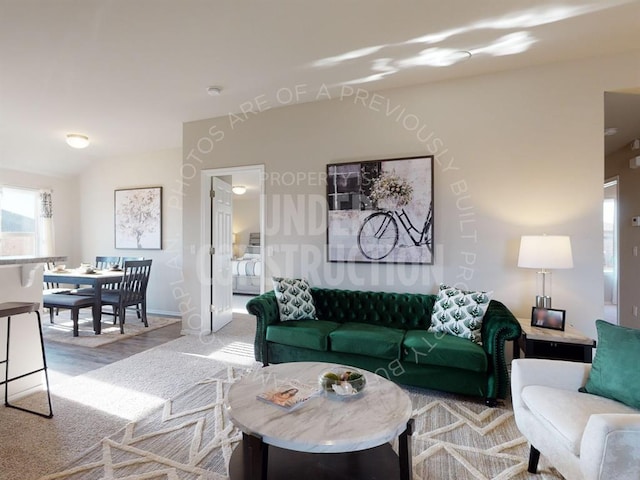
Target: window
(18,221)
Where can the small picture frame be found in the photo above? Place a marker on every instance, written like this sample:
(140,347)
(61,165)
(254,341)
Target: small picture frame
(548,318)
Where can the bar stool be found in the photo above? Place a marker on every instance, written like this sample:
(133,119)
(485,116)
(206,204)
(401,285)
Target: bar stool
(9,309)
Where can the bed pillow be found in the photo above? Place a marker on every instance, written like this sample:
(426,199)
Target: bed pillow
(460,313)
(294,299)
(614,373)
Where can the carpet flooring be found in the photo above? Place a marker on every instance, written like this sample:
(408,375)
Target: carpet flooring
(159,414)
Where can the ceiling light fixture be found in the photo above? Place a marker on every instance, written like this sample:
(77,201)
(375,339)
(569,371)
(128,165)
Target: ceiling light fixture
(610,131)
(239,189)
(214,91)
(77,140)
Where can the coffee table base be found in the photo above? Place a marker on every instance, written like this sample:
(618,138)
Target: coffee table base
(255,460)
(379,463)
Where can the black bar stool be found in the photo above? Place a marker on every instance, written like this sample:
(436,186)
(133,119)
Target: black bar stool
(9,309)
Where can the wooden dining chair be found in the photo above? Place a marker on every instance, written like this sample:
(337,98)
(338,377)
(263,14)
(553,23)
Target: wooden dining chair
(132,291)
(128,259)
(49,288)
(53,287)
(102,263)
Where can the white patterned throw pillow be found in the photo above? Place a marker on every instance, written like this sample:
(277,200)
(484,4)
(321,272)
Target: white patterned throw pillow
(458,312)
(294,299)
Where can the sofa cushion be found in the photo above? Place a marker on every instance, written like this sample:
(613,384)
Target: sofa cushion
(429,348)
(394,310)
(294,299)
(365,339)
(568,423)
(312,334)
(615,372)
(459,313)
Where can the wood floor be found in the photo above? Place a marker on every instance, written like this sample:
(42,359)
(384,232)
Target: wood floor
(72,360)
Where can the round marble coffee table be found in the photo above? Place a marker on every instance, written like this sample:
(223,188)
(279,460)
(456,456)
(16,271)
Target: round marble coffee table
(328,437)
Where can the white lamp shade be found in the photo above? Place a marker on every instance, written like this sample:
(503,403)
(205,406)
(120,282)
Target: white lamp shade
(239,189)
(545,251)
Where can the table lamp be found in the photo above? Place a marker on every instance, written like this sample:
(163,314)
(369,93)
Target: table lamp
(545,252)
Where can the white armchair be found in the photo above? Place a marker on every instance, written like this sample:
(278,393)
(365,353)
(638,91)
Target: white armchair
(584,436)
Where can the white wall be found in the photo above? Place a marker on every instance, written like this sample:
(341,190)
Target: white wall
(518,153)
(96,188)
(246,220)
(617,164)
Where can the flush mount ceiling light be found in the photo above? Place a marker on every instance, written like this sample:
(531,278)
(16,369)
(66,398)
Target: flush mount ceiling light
(76,140)
(214,91)
(239,189)
(610,131)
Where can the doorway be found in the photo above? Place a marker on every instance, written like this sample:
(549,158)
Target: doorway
(247,189)
(610,243)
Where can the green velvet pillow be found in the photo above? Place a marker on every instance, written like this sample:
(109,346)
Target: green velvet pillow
(615,373)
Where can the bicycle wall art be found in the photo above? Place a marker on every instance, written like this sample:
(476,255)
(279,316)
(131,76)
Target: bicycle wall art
(381,211)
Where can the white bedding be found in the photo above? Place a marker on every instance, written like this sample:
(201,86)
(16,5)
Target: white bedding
(249,267)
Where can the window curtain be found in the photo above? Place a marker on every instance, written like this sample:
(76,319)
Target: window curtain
(46,244)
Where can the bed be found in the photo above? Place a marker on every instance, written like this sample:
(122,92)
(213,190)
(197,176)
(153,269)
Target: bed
(247,269)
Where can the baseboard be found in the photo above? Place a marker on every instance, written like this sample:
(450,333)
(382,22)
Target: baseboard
(163,313)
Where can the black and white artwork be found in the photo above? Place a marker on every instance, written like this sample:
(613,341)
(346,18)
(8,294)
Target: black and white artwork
(381,211)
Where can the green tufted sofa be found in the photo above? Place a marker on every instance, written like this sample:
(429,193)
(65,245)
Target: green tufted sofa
(387,333)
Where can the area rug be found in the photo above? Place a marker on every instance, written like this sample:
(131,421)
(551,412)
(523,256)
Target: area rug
(62,329)
(191,438)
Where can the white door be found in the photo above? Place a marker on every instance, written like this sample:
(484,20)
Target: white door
(221,238)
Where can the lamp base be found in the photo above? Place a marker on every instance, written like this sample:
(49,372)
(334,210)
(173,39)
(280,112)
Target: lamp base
(543,301)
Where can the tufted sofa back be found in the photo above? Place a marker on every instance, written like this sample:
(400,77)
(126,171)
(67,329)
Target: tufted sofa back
(396,310)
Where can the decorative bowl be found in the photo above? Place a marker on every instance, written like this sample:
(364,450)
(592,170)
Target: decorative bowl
(342,381)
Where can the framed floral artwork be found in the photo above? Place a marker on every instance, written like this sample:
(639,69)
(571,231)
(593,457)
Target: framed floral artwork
(138,218)
(381,211)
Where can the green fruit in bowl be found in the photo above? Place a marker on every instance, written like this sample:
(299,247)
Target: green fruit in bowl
(346,381)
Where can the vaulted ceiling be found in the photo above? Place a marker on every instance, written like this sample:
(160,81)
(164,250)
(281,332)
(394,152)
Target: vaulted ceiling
(129,73)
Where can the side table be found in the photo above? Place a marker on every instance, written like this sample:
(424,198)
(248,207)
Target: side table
(538,342)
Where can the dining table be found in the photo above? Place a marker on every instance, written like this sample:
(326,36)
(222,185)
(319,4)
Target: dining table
(95,278)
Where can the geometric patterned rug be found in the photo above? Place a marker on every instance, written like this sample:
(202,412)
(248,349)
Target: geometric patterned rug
(191,438)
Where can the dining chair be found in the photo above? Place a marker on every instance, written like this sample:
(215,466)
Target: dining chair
(131,291)
(102,263)
(49,288)
(128,259)
(53,287)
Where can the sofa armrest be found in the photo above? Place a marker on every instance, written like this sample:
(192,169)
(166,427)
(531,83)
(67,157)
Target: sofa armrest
(548,373)
(498,326)
(610,447)
(265,308)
